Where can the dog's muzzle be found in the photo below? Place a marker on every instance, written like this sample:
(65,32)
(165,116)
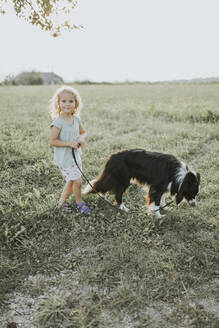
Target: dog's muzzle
(192,202)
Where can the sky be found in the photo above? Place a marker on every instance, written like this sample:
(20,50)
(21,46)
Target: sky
(135,40)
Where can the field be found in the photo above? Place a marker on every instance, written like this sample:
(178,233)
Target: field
(108,269)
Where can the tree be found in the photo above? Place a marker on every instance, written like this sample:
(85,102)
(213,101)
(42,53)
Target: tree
(49,15)
(25,78)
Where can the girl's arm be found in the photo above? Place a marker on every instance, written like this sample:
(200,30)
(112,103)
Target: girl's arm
(54,141)
(82,136)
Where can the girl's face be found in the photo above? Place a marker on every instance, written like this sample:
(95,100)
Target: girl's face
(67,102)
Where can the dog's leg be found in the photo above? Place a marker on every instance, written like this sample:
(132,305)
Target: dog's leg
(119,194)
(153,201)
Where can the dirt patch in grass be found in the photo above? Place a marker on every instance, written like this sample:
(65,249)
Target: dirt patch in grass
(62,301)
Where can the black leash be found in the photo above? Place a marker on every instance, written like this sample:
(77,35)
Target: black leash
(167,204)
(105,200)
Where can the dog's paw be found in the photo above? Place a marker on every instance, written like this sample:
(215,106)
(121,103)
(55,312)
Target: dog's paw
(166,208)
(159,216)
(123,208)
(156,214)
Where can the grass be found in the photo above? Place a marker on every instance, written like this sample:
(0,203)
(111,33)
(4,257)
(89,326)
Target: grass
(108,269)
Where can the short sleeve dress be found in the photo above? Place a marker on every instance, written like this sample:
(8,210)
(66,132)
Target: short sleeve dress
(68,132)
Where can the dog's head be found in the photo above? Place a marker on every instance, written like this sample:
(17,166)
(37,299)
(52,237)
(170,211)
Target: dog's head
(189,189)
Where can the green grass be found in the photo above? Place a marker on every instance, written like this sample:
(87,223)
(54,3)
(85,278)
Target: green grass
(109,269)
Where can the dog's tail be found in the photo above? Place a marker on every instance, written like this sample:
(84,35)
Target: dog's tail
(89,188)
(102,184)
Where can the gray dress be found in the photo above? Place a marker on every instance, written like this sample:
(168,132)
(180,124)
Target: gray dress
(68,132)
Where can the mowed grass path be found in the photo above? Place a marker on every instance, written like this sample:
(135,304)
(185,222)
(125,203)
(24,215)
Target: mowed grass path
(109,269)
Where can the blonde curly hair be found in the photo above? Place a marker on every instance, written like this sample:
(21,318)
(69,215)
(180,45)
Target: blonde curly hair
(55,109)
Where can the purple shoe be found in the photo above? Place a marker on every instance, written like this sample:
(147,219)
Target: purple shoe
(66,208)
(83,208)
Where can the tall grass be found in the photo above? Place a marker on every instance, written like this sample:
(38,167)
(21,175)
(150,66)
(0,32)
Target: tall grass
(110,269)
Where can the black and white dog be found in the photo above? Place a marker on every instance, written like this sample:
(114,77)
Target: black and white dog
(162,173)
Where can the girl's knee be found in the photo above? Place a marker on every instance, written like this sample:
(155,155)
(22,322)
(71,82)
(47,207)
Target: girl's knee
(70,183)
(77,182)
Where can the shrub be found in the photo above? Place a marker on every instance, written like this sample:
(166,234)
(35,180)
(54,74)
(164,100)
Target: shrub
(29,78)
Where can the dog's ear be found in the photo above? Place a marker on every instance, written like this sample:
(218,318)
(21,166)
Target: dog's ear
(190,178)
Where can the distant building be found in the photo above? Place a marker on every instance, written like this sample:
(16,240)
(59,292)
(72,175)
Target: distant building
(51,78)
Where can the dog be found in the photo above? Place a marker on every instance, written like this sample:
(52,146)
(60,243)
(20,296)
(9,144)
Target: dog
(161,173)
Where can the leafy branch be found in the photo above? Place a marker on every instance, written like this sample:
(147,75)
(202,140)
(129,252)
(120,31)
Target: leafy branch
(49,15)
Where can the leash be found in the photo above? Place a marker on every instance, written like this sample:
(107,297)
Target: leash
(104,199)
(167,204)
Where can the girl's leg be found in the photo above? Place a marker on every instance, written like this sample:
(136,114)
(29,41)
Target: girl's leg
(82,207)
(76,188)
(67,190)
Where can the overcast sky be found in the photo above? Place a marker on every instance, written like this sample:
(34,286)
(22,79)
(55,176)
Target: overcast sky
(144,40)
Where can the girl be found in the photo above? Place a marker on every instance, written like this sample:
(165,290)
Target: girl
(67,132)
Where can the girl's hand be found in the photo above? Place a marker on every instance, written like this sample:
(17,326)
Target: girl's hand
(81,142)
(73,144)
